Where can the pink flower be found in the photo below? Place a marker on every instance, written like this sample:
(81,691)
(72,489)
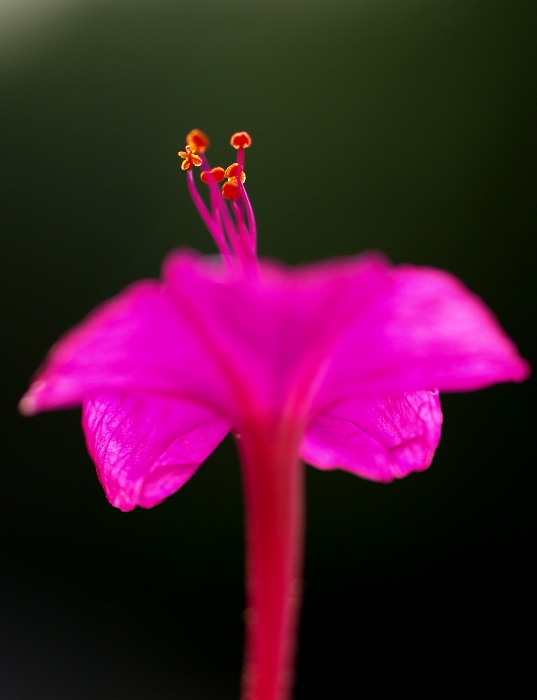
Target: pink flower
(337,363)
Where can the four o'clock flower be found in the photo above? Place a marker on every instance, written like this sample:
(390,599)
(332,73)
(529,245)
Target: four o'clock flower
(337,364)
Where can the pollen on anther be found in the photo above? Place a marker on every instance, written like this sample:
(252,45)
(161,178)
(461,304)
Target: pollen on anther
(215,175)
(230,189)
(233,171)
(189,157)
(198,141)
(241,140)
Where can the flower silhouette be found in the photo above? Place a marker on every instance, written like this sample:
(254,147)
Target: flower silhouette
(337,363)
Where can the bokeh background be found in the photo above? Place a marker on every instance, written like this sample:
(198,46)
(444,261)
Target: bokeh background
(405,126)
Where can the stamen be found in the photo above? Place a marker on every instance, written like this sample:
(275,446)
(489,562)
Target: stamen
(215,175)
(229,217)
(189,157)
(241,140)
(212,224)
(252,228)
(230,189)
(222,216)
(244,234)
(198,141)
(233,172)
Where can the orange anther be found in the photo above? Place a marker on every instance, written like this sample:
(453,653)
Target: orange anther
(230,189)
(215,175)
(189,158)
(233,171)
(198,141)
(241,140)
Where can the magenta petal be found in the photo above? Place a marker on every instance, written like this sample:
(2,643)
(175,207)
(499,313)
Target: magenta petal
(273,334)
(139,341)
(145,448)
(376,437)
(424,328)
(289,341)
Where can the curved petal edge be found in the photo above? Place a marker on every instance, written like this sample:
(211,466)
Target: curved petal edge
(376,437)
(146,448)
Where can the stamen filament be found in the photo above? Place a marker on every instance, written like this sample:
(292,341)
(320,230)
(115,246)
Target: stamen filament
(240,157)
(252,228)
(247,205)
(244,232)
(244,235)
(214,227)
(219,205)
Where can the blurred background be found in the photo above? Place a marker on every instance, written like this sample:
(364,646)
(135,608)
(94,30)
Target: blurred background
(405,126)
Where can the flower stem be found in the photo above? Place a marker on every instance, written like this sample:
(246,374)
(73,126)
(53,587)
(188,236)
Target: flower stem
(274,515)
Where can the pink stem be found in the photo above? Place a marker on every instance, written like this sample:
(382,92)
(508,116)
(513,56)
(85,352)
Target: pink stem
(274,504)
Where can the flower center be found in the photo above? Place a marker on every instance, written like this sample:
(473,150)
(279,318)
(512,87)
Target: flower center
(229,216)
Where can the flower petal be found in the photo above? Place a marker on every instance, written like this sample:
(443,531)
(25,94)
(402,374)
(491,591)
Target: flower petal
(287,341)
(274,332)
(137,342)
(145,448)
(376,437)
(424,328)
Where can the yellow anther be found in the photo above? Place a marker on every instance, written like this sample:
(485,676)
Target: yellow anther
(241,140)
(198,141)
(233,171)
(189,157)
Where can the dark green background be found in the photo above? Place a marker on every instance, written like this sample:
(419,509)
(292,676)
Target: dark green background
(403,126)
